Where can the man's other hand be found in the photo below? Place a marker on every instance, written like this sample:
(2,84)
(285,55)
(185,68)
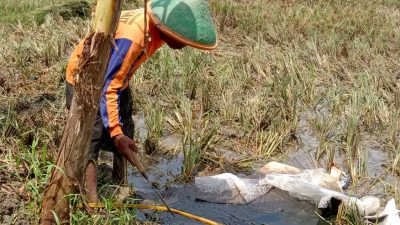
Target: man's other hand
(125,145)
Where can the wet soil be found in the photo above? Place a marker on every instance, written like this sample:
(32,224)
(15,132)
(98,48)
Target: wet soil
(9,206)
(276,207)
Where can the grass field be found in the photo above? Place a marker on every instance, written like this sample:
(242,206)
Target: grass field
(333,64)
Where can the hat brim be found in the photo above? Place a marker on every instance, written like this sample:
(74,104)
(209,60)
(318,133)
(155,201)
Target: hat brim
(175,35)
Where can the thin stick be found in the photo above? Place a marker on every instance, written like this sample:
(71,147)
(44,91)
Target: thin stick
(152,207)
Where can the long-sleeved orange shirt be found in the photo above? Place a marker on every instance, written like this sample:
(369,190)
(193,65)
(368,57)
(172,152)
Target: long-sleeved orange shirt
(126,57)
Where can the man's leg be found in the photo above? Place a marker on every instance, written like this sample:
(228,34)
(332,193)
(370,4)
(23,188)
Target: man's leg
(91,166)
(118,172)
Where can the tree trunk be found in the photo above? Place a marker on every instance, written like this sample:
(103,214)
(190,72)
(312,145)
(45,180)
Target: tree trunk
(68,177)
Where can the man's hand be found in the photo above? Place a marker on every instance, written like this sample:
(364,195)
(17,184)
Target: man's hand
(125,146)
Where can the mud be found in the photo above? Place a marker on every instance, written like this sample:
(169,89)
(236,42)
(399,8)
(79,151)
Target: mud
(140,128)
(303,155)
(162,172)
(9,206)
(376,159)
(172,142)
(276,207)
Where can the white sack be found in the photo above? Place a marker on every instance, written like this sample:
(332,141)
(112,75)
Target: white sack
(228,188)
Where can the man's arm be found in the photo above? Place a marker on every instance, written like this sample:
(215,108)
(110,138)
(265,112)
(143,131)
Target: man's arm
(122,58)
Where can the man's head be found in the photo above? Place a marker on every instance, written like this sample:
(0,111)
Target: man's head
(184,22)
(171,42)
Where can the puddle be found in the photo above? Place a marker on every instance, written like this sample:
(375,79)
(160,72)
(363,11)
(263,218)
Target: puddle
(140,127)
(229,156)
(303,156)
(276,207)
(376,159)
(172,142)
(162,172)
(376,178)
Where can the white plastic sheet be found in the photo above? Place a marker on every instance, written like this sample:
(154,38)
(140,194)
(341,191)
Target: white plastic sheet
(304,187)
(314,185)
(228,188)
(389,216)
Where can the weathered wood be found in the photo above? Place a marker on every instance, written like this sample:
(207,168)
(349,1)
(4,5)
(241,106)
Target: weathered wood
(68,177)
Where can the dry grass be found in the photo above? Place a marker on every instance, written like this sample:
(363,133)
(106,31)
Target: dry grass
(276,62)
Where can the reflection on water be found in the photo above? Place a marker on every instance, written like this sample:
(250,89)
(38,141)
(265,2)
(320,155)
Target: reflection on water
(276,207)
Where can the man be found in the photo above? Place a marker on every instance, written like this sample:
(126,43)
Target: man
(178,23)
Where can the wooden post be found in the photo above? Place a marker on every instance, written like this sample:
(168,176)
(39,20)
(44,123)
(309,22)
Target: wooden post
(68,177)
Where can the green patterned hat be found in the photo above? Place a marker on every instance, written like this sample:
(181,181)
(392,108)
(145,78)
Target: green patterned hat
(187,21)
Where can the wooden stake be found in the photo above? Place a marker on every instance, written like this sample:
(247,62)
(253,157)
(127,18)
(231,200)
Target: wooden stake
(68,177)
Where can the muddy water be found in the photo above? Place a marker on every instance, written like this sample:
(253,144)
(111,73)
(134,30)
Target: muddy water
(276,207)
(303,155)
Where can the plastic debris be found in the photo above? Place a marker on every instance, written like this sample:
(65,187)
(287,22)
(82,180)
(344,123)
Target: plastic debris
(316,185)
(306,186)
(228,188)
(343,178)
(276,167)
(389,216)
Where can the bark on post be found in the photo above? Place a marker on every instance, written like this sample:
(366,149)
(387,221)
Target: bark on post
(68,177)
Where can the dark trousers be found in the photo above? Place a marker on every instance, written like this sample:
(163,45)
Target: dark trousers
(101,139)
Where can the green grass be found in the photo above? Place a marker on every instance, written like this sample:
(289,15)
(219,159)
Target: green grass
(333,63)
(108,215)
(29,12)
(349,216)
(155,125)
(194,144)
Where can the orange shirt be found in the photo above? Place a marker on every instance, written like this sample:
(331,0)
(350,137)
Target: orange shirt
(126,57)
